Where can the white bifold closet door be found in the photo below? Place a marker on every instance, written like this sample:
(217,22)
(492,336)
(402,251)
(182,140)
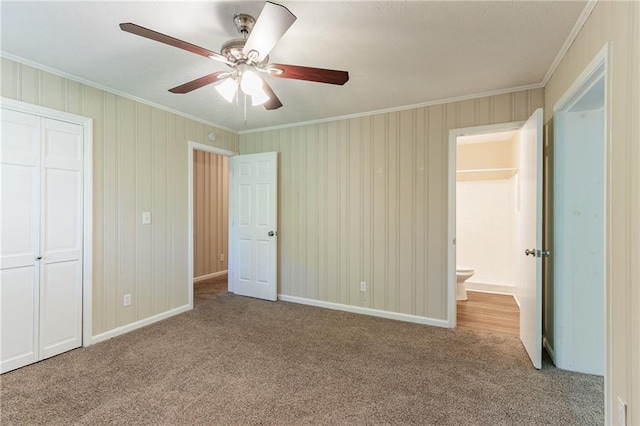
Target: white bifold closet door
(41,246)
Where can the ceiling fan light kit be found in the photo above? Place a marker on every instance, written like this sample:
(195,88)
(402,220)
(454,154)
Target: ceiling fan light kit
(228,89)
(247,57)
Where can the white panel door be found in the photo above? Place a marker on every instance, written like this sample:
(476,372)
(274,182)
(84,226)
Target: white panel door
(42,236)
(61,238)
(19,249)
(253,221)
(530,232)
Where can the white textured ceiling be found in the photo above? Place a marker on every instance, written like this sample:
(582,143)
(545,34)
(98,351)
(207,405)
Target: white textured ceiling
(397,53)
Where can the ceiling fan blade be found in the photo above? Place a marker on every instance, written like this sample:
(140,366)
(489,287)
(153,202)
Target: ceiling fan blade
(171,41)
(319,75)
(199,82)
(273,22)
(273,102)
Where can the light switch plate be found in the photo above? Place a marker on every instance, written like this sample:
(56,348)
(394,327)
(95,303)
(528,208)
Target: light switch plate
(146,218)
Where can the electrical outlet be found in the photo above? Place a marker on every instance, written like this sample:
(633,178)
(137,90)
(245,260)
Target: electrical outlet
(363,286)
(126,299)
(622,412)
(221,257)
(146,218)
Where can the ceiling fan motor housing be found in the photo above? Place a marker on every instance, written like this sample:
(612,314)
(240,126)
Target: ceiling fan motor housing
(244,23)
(232,49)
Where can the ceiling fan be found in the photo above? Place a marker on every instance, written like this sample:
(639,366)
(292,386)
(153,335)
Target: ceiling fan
(247,57)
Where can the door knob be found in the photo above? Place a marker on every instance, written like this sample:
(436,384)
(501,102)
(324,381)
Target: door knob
(531,252)
(39,258)
(271,233)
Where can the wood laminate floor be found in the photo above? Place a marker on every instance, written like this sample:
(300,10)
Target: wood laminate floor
(493,313)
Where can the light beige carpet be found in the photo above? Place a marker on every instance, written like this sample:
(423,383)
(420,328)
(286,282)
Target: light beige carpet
(236,360)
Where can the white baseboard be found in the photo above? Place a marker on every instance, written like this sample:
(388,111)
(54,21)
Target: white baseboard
(490,288)
(549,349)
(138,324)
(366,311)
(211,275)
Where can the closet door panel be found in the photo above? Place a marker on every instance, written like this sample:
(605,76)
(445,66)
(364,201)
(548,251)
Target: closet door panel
(61,279)
(61,293)
(18,314)
(19,245)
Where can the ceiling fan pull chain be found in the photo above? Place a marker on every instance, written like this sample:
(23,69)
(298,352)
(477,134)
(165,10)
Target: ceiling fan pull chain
(245,109)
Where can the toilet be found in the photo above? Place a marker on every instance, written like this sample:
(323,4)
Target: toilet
(463,273)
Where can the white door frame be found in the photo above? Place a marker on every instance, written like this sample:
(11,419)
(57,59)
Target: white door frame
(451,202)
(602,59)
(192,147)
(87,220)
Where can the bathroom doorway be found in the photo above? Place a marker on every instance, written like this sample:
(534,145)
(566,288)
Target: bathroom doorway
(487,218)
(529,231)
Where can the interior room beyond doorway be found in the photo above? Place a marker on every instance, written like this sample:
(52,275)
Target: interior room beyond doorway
(211,229)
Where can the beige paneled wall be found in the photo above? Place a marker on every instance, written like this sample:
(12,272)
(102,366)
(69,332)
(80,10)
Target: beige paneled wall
(140,164)
(619,23)
(211,207)
(365,199)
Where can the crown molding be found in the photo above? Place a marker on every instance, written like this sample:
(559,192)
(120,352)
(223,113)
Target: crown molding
(95,85)
(586,12)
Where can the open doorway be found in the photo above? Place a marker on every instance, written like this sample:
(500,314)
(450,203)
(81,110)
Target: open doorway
(527,288)
(210,225)
(487,215)
(209,222)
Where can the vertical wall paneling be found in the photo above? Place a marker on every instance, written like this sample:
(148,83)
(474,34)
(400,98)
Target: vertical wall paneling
(144,203)
(366,207)
(139,165)
(352,194)
(436,177)
(406,220)
(310,206)
(9,82)
(160,210)
(53,91)
(95,106)
(111,220)
(365,199)
(332,230)
(343,193)
(285,196)
(210,173)
(380,236)
(127,139)
(29,85)
(419,210)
